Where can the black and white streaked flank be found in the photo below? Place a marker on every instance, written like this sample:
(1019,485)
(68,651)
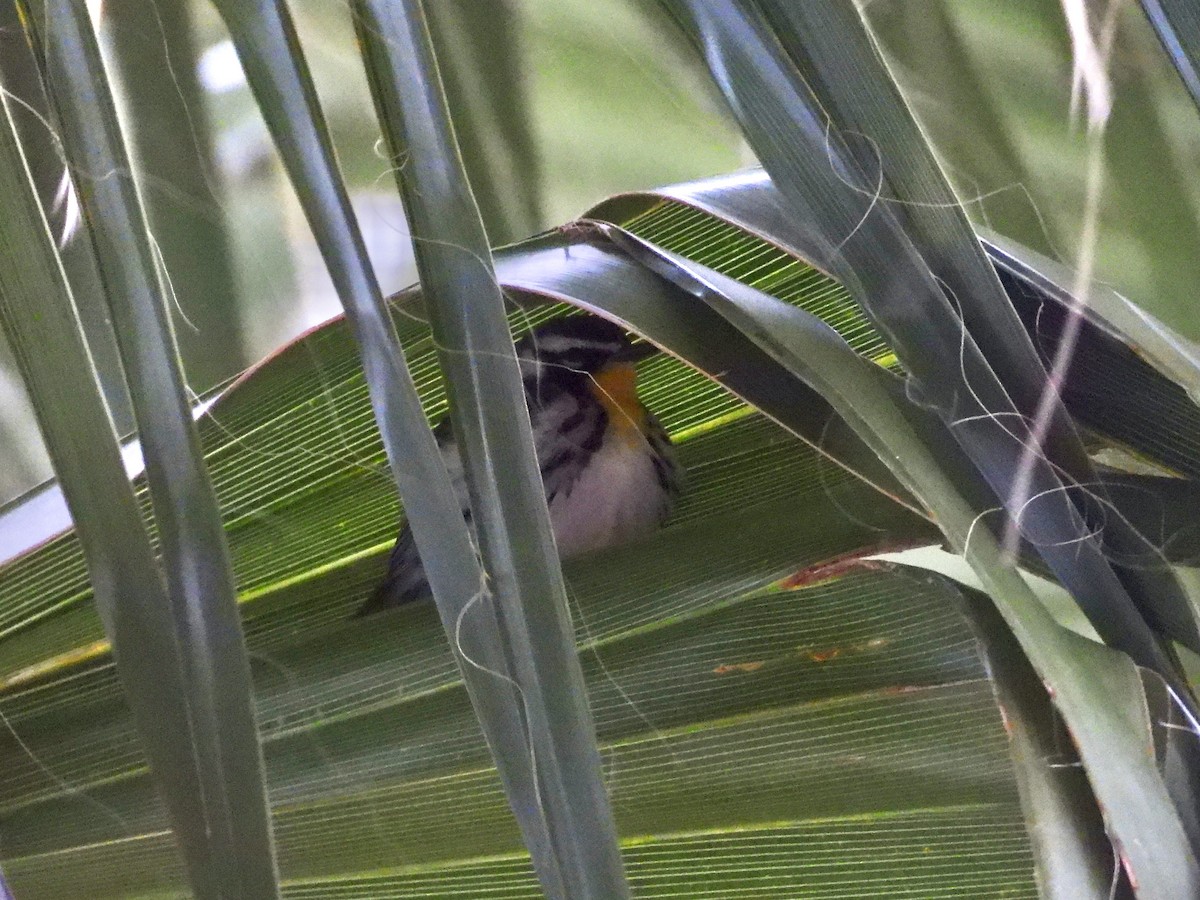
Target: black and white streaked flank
(607,464)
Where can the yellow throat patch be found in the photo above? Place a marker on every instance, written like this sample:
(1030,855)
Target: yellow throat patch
(615,387)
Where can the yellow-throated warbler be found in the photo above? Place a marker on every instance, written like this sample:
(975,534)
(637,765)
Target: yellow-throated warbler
(607,465)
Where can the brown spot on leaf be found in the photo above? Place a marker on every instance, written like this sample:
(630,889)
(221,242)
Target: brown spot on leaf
(729,668)
(831,570)
(824,655)
(838,566)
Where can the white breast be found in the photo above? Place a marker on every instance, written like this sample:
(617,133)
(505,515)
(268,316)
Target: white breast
(617,498)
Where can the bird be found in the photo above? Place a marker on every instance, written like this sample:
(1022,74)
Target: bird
(608,466)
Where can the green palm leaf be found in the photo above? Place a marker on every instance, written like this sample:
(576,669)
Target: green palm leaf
(749,707)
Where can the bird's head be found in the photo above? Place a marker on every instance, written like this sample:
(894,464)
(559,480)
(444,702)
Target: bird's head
(583,345)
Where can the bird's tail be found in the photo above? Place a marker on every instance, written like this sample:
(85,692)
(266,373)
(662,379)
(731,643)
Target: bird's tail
(405,580)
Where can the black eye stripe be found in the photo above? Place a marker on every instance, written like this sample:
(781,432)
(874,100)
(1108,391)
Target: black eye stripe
(576,358)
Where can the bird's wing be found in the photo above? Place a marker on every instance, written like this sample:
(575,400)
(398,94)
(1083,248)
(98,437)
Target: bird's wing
(567,431)
(405,581)
(666,466)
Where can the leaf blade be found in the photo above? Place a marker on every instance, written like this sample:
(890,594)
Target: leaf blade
(576,849)
(1137,818)
(130,590)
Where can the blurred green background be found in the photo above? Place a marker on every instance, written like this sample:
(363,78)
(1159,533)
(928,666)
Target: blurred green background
(613,101)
